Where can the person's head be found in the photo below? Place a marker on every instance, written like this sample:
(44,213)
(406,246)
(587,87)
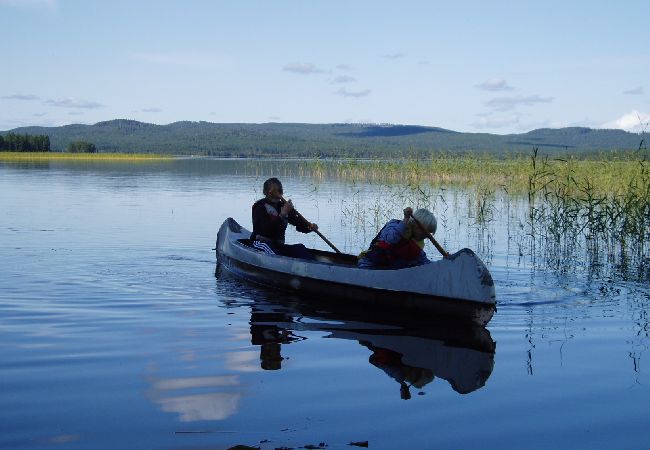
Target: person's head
(272,188)
(428,221)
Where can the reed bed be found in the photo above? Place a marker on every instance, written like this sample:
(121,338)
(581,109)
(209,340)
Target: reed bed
(559,210)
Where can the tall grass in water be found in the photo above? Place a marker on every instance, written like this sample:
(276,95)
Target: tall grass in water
(608,207)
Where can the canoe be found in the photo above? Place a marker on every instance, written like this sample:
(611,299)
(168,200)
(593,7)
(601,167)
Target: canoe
(459,286)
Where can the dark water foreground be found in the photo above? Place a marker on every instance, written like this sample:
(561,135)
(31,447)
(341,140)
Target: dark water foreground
(116,333)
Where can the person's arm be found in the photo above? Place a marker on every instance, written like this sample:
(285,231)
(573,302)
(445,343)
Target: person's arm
(393,231)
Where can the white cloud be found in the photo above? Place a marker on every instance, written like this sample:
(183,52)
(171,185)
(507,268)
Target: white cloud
(345,93)
(634,121)
(71,102)
(20,97)
(635,91)
(495,84)
(509,103)
(302,68)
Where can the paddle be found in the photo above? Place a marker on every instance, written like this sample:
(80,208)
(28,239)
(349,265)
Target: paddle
(442,251)
(315,231)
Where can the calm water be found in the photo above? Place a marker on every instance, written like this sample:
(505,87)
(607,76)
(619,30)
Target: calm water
(115,332)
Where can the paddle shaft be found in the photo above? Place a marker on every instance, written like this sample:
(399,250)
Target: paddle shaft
(315,231)
(442,251)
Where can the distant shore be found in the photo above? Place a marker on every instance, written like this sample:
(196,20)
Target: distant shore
(30,156)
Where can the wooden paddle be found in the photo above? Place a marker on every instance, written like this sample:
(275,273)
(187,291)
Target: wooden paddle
(315,231)
(442,251)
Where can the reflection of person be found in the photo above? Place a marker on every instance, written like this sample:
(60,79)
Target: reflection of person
(400,243)
(270,337)
(270,218)
(391,362)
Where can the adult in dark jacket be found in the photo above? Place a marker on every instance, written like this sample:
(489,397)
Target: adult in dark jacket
(271,215)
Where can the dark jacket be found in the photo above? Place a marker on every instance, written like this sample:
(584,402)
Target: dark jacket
(267,222)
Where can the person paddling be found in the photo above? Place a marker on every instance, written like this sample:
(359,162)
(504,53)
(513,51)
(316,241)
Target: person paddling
(271,215)
(400,243)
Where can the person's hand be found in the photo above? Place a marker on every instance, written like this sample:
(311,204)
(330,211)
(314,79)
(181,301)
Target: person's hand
(286,208)
(313,227)
(408,212)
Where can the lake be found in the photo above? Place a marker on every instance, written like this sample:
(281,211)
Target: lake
(115,331)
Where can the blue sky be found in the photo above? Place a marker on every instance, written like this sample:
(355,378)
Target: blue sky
(476,66)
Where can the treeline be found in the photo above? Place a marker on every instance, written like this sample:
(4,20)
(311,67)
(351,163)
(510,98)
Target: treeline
(81,147)
(12,142)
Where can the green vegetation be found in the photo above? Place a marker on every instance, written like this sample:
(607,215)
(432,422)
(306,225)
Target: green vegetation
(325,140)
(81,147)
(610,172)
(12,142)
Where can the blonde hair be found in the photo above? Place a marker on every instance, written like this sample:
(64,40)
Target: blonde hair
(427,219)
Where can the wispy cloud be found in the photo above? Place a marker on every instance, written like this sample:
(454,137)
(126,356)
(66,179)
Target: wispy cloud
(423,62)
(491,121)
(343,79)
(510,103)
(394,55)
(151,110)
(188,58)
(302,68)
(345,93)
(634,121)
(635,91)
(495,84)
(49,4)
(343,67)
(71,102)
(20,97)
(39,114)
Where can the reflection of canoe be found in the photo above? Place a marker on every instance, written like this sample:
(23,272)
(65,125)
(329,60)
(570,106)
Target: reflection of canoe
(410,353)
(458,286)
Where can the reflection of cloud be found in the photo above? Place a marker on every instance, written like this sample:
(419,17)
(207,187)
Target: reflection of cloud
(20,97)
(635,91)
(302,68)
(509,103)
(71,102)
(244,361)
(345,93)
(634,121)
(192,407)
(215,406)
(495,84)
(170,384)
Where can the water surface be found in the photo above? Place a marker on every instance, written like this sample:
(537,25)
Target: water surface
(116,333)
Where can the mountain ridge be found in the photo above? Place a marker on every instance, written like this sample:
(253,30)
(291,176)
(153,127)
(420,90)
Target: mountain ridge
(335,139)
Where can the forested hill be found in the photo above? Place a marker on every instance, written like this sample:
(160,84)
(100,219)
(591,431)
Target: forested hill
(345,140)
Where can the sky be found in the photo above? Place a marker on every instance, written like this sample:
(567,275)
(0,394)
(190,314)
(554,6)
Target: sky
(474,66)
